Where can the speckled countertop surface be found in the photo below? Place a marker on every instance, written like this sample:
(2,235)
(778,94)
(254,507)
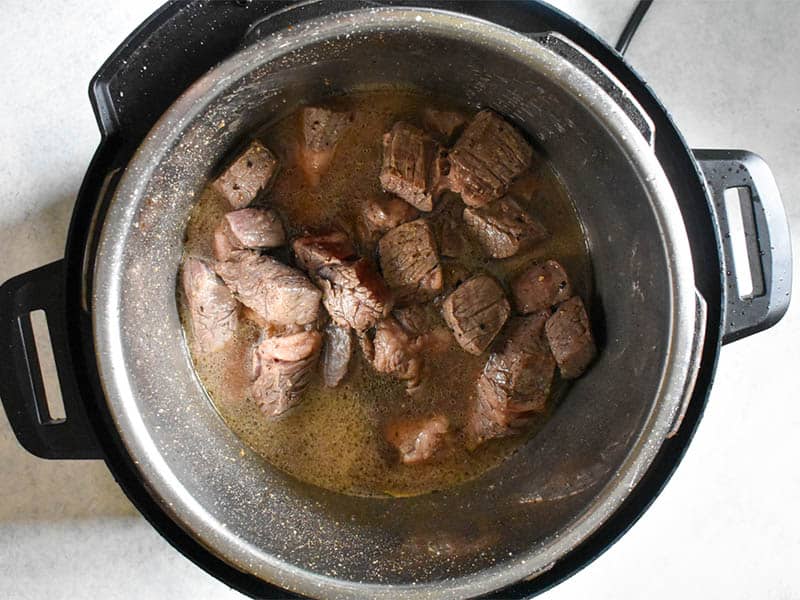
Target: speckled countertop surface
(725,527)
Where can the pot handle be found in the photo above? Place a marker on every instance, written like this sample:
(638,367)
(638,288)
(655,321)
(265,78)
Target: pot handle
(21,385)
(569,50)
(766,232)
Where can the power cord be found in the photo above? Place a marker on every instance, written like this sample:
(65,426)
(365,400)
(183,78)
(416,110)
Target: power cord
(632,25)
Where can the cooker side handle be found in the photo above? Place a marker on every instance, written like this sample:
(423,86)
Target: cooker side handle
(766,232)
(21,386)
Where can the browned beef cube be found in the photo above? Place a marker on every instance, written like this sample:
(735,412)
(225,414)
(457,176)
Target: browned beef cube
(213,311)
(486,158)
(540,287)
(445,123)
(449,227)
(322,129)
(515,381)
(411,166)
(397,352)
(250,173)
(410,262)
(282,369)
(418,440)
(476,311)
(275,292)
(383,214)
(570,338)
(247,229)
(503,228)
(314,251)
(425,323)
(336,352)
(353,292)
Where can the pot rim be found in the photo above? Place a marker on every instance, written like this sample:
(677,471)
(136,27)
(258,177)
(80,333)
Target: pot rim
(164,485)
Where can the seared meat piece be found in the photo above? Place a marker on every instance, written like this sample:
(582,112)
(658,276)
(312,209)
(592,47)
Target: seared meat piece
(426,324)
(336,352)
(503,228)
(397,353)
(410,262)
(540,287)
(247,175)
(486,158)
(213,310)
(446,123)
(383,214)
(454,274)
(476,311)
(248,228)
(282,369)
(516,380)
(353,292)
(570,338)
(411,166)
(277,293)
(449,226)
(314,251)
(418,440)
(322,129)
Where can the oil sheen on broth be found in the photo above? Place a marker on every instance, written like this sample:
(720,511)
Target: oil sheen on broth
(334,439)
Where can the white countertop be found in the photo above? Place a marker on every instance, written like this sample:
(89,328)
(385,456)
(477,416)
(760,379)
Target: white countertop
(726,526)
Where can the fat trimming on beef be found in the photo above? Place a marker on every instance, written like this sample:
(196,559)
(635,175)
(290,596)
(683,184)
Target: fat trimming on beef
(248,174)
(418,440)
(410,262)
(476,311)
(570,338)
(540,287)
(353,292)
(486,158)
(213,311)
(276,292)
(282,369)
(336,352)
(412,166)
(247,229)
(515,381)
(503,228)
(321,131)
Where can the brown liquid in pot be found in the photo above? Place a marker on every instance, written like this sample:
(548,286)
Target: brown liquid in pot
(334,439)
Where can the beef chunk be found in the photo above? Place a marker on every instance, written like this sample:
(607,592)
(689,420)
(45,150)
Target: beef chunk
(425,323)
(353,292)
(282,369)
(322,129)
(540,287)
(331,248)
(410,262)
(445,123)
(486,158)
(515,382)
(248,228)
(449,227)
(383,214)
(570,338)
(336,352)
(397,352)
(412,166)
(277,293)
(503,228)
(418,440)
(247,175)
(212,309)
(476,311)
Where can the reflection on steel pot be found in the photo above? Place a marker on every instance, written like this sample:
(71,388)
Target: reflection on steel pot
(542,513)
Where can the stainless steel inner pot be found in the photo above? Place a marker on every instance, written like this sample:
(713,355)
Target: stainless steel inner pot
(520,518)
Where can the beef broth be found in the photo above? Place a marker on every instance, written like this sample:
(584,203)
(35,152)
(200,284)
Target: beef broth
(368,435)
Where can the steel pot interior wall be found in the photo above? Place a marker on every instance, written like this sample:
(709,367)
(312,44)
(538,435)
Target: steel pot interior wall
(514,521)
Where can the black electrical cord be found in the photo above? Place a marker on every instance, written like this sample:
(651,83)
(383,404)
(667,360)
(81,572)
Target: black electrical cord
(632,25)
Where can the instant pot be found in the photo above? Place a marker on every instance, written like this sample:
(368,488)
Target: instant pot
(177,98)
